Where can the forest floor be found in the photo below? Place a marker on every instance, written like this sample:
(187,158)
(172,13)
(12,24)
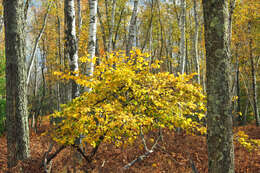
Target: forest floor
(174,155)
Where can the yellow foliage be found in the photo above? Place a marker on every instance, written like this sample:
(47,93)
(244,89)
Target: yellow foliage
(244,140)
(128,95)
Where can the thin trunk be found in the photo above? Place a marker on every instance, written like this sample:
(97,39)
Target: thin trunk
(16,98)
(196,36)
(117,29)
(71,49)
(1,22)
(238,84)
(161,30)
(219,112)
(253,77)
(26,7)
(183,36)
(149,28)
(131,33)
(102,29)
(79,18)
(111,28)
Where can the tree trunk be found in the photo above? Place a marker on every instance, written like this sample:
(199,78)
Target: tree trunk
(219,119)
(1,22)
(111,27)
(196,36)
(92,35)
(254,89)
(16,99)
(183,36)
(79,18)
(238,88)
(71,49)
(131,32)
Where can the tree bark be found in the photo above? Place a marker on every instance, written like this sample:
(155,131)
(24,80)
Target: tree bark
(131,33)
(196,36)
(1,22)
(79,18)
(92,35)
(219,119)
(111,27)
(16,99)
(71,49)
(183,36)
(253,77)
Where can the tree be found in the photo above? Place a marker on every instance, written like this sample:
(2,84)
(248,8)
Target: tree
(195,40)
(131,33)
(16,99)
(183,36)
(92,35)
(219,120)
(71,49)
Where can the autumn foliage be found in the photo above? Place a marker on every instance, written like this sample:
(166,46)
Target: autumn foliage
(128,96)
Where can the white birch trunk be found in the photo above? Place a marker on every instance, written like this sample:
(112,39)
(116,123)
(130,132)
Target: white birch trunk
(131,33)
(71,50)
(183,36)
(92,35)
(196,36)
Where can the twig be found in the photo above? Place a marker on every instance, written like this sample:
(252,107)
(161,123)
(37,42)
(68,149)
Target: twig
(143,140)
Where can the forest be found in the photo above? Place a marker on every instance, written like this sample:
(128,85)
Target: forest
(100,86)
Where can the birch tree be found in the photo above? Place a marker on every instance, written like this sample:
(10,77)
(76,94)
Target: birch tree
(71,49)
(131,33)
(183,36)
(92,35)
(195,44)
(16,99)
(219,112)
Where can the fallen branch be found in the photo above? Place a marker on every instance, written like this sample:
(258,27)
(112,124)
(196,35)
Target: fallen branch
(147,153)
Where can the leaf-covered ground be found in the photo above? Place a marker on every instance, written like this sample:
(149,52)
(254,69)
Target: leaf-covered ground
(175,154)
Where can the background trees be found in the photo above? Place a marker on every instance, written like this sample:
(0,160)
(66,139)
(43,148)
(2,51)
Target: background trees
(172,32)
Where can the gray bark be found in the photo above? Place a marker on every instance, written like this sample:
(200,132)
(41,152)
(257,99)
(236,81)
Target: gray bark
(71,49)
(111,28)
(1,22)
(253,77)
(183,36)
(79,18)
(102,29)
(219,117)
(131,33)
(16,100)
